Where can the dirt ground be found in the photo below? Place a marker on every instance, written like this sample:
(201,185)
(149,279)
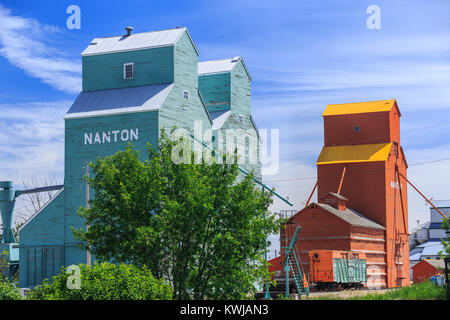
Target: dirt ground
(344,294)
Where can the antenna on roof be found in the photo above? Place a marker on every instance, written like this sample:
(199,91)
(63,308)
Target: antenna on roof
(129,29)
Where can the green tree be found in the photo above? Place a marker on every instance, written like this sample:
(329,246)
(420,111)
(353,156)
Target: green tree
(199,226)
(8,291)
(446,241)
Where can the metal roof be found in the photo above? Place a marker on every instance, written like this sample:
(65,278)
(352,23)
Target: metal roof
(336,195)
(430,248)
(439,264)
(144,40)
(356,153)
(117,101)
(442,203)
(352,217)
(359,107)
(220,66)
(219,118)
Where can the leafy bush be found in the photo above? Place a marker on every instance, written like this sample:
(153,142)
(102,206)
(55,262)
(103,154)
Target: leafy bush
(105,281)
(8,291)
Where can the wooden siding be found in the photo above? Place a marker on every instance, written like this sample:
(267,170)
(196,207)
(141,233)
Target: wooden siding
(151,66)
(216,91)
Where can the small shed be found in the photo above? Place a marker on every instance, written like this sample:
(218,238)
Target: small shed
(425,269)
(275,265)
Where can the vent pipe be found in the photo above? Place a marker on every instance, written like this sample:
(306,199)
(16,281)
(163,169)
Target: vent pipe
(129,29)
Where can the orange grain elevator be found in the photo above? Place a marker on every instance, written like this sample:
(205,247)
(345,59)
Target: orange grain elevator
(361,160)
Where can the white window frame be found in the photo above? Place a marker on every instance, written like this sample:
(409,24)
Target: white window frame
(125,70)
(184,94)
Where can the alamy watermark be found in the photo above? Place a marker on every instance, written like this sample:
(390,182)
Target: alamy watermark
(74,20)
(374,20)
(74,279)
(223,146)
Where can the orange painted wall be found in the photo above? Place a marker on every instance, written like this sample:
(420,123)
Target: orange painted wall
(372,187)
(322,230)
(374,128)
(364,186)
(319,230)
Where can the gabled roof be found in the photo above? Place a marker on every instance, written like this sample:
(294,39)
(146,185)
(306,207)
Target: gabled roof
(356,153)
(220,66)
(136,41)
(352,217)
(429,248)
(204,107)
(41,209)
(118,101)
(255,127)
(359,107)
(336,195)
(438,264)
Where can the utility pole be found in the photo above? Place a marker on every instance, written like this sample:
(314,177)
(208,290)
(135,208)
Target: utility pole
(267,294)
(88,257)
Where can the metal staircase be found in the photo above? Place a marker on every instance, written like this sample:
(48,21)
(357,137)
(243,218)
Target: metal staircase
(293,263)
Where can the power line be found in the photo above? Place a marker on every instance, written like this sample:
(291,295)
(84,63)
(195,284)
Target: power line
(375,139)
(361,171)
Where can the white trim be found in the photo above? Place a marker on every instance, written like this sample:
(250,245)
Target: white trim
(226,71)
(369,251)
(368,239)
(126,50)
(144,48)
(190,38)
(109,112)
(204,107)
(39,211)
(125,65)
(211,73)
(376,273)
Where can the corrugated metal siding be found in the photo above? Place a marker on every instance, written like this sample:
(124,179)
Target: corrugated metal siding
(134,41)
(217,66)
(134,99)
(359,107)
(358,153)
(351,216)
(349,271)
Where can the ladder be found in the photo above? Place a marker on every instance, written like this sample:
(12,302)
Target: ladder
(292,263)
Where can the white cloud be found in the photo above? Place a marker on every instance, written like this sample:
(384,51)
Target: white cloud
(32,144)
(24,43)
(32,139)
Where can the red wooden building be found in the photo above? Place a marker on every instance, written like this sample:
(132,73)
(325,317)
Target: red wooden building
(425,269)
(362,204)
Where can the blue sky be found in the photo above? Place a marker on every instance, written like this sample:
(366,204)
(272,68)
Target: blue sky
(302,55)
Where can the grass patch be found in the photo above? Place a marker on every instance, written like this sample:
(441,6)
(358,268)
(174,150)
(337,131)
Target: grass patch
(419,291)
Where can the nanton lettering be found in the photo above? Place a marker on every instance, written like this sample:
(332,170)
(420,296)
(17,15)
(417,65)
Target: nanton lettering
(111,136)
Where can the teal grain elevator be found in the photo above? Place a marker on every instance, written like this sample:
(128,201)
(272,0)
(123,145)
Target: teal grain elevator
(133,86)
